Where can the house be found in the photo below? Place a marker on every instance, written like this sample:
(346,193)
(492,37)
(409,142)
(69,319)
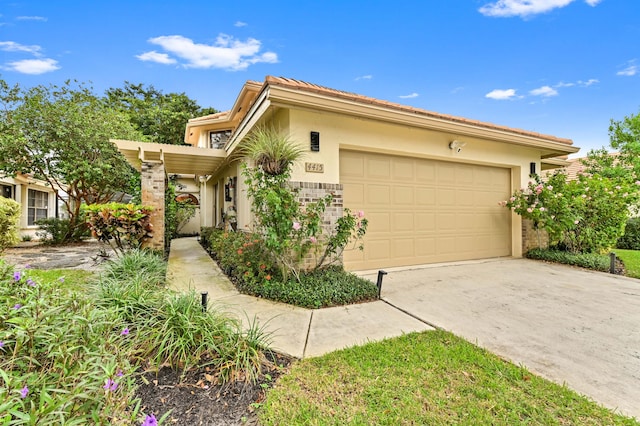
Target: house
(429,183)
(36,197)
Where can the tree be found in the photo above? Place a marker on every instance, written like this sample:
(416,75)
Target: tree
(161,117)
(61,134)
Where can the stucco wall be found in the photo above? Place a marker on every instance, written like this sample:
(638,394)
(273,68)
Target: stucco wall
(346,132)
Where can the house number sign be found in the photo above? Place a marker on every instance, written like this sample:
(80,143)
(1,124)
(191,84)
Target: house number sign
(314,167)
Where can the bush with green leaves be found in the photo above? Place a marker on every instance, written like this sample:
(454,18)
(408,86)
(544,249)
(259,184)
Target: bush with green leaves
(245,259)
(585,215)
(70,351)
(292,232)
(59,231)
(9,222)
(59,356)
(169,328)
(122,226)
(631,238)
(595,261)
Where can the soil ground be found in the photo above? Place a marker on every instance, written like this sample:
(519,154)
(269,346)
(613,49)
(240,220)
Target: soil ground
(192,399)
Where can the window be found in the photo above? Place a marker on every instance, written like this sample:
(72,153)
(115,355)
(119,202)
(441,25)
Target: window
(7,191)
(218,138)
(38,206)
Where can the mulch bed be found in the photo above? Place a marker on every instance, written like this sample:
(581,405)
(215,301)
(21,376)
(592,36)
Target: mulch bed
(195,397)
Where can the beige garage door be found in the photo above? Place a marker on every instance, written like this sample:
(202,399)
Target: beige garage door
(425,211)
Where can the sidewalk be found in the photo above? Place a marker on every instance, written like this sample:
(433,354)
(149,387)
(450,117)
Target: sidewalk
(295,331)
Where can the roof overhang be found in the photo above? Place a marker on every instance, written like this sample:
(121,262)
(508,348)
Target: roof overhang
(554,163)
(177,159)
(286,96)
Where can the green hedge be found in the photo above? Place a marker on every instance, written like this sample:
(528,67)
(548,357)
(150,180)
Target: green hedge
(631,238)
(243,257)
(597,262)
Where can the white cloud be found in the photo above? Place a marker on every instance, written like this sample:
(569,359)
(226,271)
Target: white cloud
(630,70)
(588,83)
(501,95)
(12,46)
(153,56)
(563,84)
(413,95)
(524,8)
(226,53)
(240,24)
(545,91)
(31,18)
(364,77)
(33,66)
(457,90)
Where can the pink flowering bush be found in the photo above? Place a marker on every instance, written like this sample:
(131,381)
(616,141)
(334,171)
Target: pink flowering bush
(584,215)
(292,232)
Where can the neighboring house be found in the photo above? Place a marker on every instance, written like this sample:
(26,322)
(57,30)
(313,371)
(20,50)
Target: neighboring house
(429,183)
(36,197)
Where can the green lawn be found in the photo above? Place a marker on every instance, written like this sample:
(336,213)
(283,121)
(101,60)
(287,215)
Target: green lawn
(430,378)
(631,259)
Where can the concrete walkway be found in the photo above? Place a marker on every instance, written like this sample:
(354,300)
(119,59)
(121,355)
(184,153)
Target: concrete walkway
(295,331)
(569,325)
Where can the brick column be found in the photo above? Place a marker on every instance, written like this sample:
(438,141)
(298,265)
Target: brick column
(152,177)
(533,238)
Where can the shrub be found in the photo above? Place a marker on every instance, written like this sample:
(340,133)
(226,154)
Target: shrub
(168,328)
(59,231)
(59,362)
(597,262)
(321,288)
(631,238)
(122,226)
(9,222)
(243,257)
(586,215)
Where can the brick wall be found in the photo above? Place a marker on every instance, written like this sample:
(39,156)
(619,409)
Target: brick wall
(310,192)
(152,176)
(533,238)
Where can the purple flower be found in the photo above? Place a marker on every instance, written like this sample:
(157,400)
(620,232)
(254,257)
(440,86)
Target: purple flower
(119,373)
(31,282)
(110,385)
(125,331)
(1,343)
(61,279)
(17,276)
(150,420)
(27,266)
(24,392)
(17,306)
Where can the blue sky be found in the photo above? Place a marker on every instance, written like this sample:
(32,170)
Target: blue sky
(560,67)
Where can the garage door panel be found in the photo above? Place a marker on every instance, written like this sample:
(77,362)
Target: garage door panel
(403,195)
(403,248)
(446,197)
(351,165)
(426,172)
(403,221)
(378,250)
(426,221)
(425,211)
(403,170)
(378,168)
(378,194)
(378,221)
(354,192)
(425,196)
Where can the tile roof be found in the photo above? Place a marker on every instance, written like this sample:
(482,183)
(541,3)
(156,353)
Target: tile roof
(309,87)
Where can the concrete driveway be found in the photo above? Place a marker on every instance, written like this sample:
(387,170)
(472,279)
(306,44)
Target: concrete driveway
(569,325)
